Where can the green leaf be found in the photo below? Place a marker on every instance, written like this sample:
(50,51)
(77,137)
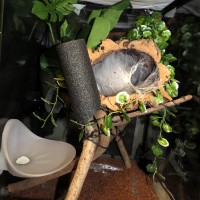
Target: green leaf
(113,16)
(185,28)
(133,34)
(52,11)
(158,98)
(172,89)
(162,45)
(94,14)
(108,121)
(140,20)
(121,5)
(155,117)
(156,15)
(166,35)
(147,34)
(187,36)
(167,58)
(53,17)
(151,168)
(163,142)
(106,130)
(40,10)
(171,113)
(126,117)
(166,127)
(160,26)
(142,107)
(190,145)
(156,123)
(122,97)
(99,32)
(157,151)
(172,70)
(81,134)
(63,29)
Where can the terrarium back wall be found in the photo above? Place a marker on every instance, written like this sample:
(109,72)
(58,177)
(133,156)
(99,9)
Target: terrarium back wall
(19,80)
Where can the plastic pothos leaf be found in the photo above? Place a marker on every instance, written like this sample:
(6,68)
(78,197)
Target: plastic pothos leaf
(151,168)
(156,15)
(166,34)
(99,32)
(172,89)
(163,142)
(156,123)
(157,151)
(160,26)
(106,130)
(81,134)
(166,127)
(142,107)
(122,97)
(158,98)
(155,117)
(108,121)
(190,145)
(172,70)
(167,58)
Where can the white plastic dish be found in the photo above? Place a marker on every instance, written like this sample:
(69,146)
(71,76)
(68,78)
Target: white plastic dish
(46,156)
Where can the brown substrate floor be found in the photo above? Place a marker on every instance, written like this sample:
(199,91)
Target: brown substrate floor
(108,179)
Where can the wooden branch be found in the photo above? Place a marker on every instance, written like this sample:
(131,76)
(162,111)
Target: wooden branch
(121,146)
(117,120)
(83,166)
(31,182)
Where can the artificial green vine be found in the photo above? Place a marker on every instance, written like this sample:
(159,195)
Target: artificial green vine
(159,119)
(52,104)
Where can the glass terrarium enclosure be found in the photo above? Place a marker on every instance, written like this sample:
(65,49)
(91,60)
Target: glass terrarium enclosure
(99,99)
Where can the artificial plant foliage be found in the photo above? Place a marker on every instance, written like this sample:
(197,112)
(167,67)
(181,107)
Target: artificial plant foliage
(153,27)
(97,28)
(53,10)
(101,22)
(99,32)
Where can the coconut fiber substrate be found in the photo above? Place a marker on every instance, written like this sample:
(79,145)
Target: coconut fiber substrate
(108,179)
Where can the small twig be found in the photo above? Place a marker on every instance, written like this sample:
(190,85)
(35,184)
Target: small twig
(117,120)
